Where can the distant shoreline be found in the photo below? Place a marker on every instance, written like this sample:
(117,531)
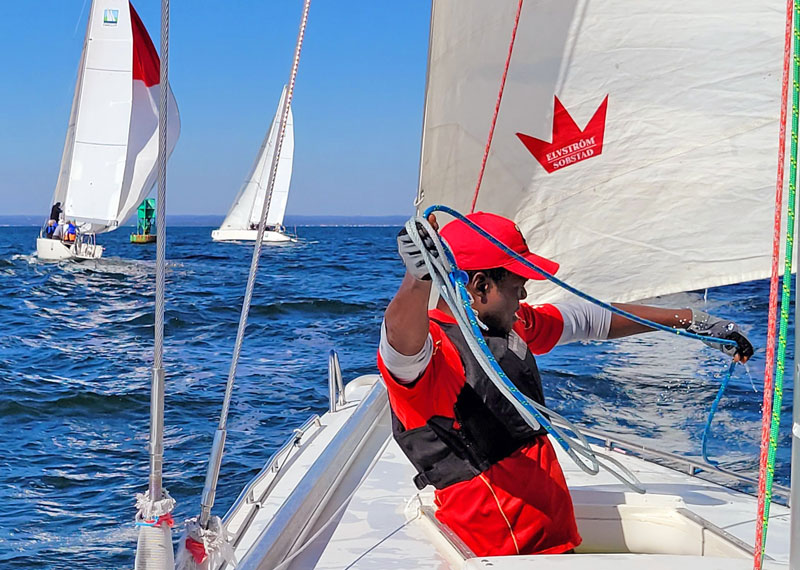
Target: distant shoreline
(189,220)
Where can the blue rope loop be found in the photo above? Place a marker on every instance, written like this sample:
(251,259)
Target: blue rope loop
(707,430)
(459,278)
(550,277)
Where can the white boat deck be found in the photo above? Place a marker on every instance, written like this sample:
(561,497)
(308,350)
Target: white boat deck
(681,521)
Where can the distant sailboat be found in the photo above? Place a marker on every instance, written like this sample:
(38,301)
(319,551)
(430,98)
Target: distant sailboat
(109,160)
(241,223)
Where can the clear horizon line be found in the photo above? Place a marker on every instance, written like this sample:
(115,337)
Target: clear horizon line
(223,215)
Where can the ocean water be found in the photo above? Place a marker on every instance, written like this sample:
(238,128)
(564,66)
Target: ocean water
(76,351)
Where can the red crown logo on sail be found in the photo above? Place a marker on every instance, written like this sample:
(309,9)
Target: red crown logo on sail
(570,144)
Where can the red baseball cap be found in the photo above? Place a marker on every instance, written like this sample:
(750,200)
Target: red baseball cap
(474,252)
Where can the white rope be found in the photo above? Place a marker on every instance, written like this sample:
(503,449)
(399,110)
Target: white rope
(216,543)
(148,510)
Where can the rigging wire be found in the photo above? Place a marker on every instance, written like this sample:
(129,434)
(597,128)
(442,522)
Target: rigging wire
(215,460)
(157,390)
(154,518)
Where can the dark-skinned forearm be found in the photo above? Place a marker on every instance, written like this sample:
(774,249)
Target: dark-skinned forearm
(620,326)
(406,316)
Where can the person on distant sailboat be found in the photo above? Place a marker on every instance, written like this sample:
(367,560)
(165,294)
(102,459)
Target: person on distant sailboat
(50,229)
(55,212)
(70,233)
(498,483)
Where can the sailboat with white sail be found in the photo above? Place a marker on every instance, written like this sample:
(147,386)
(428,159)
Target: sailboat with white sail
(241,223)
(109,161)
(665,188)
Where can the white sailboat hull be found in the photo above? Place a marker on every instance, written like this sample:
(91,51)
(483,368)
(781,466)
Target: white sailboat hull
(340,495)
(56,250)
(249,235)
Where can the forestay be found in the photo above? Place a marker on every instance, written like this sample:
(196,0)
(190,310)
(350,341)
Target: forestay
(636,142)
(109,158)
(246,208)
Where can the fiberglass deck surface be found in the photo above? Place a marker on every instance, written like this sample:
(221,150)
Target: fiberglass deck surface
(375,532)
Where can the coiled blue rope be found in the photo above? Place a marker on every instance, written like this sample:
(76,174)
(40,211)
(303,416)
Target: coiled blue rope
(459,279)
(451,284)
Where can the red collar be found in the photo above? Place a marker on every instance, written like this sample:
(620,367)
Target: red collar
(441,316)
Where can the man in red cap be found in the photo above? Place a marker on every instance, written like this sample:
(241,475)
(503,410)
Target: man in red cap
(498,483)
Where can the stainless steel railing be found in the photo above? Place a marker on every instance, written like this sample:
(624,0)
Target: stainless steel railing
(691,466)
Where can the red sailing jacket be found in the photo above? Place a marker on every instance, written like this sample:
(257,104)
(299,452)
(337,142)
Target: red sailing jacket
(498,483)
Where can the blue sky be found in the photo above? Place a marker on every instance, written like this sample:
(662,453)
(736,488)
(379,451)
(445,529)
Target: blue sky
(357,104)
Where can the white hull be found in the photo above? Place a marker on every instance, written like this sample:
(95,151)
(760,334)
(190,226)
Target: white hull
(55,250)
(339,495)
(250,235)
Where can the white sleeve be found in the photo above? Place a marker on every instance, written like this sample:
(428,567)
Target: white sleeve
(404,368)
(583,321)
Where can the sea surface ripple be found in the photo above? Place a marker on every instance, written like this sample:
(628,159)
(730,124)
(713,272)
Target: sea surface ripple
(76,349)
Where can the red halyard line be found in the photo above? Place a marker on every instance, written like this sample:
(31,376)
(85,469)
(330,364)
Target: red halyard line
(769,366)
(497,107)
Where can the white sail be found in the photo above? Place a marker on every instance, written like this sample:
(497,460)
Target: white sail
(109,161)
(665,180)
(246,209)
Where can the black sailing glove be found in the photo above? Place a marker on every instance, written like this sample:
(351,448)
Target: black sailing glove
(412,256)
(706,325)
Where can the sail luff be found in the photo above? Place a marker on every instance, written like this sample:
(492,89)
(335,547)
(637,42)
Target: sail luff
(102,119)
(256,180)
(420,189)
(261,175)
(60,191)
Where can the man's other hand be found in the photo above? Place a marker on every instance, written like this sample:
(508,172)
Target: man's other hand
(704,324)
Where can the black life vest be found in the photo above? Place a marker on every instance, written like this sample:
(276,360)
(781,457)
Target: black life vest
(489,427)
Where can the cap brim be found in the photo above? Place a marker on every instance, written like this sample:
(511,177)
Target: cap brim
(523,270)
